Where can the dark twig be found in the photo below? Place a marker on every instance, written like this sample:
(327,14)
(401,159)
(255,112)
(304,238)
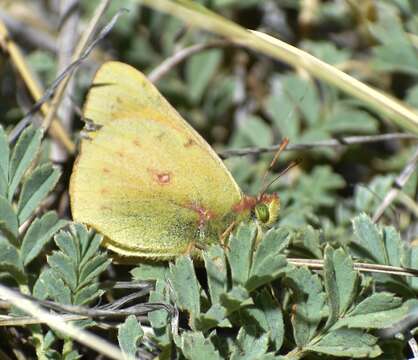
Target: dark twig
(67,39)
(67,71)
(397,186)
(364,267)
(56,323)
(334,143)
(182,55)
(105,312)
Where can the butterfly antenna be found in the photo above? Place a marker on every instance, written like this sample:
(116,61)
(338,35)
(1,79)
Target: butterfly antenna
(284,171)
(281,148)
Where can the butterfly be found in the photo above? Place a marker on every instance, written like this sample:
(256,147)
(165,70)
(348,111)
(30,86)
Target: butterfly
(147,180)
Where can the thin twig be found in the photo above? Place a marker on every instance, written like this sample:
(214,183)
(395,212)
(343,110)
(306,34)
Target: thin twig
(105,312)
(334,143)
(51,90)
(398,184)
(364,267)
(182,55)
(81,52)
(55,322)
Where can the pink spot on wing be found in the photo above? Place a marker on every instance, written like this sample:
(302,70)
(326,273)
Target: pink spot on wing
(161,177)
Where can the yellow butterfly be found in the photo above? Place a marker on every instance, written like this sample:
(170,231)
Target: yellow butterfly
(147,180)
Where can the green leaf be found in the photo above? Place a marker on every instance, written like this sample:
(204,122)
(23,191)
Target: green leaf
(50,285)
(83,236)
(216,270)
(347,120)
(309,304)
(23,154)
(150,271)
(282,110)
(87,294)
(214,317)
(68,245)
(266,270)
(200,68)
(395,246)
(92,269)
(324,181)
(64,268)
(255,132)
(250,344)
(240,252)
(396,54)
(273,314)
(129,334)
(346,279)
(39,233)
(377,313)
(186,286)
(8,216)
(377,302)
(304,95)
(159,319)
(348,343)
(340,281)
(196,347)
(89,241)
(4,162)
(310,239)
(366,199)
(235,299)
(35,188)
(10,261)
(267,263)
(370,239)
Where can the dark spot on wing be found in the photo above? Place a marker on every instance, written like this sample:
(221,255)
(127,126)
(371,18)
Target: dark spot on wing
(190,142)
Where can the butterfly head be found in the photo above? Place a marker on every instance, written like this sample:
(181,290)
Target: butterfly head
(264,208)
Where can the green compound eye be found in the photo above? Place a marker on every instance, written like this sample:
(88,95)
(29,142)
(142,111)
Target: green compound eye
(262,212)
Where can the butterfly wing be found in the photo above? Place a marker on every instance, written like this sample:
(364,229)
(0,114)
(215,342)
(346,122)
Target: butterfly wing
(144,178)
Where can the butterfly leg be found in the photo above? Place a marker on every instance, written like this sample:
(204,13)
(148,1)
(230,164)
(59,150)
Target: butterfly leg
(226,233)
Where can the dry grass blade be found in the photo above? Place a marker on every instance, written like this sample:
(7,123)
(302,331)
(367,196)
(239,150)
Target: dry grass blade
(195,15)
(57,131)
(364,267)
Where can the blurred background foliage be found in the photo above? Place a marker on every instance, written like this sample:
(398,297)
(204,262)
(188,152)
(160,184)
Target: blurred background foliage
(237,98)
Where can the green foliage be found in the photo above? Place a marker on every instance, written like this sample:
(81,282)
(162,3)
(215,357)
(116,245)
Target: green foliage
(129,334)
(24,186)
(243,300)
(253,291)
(72,277)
